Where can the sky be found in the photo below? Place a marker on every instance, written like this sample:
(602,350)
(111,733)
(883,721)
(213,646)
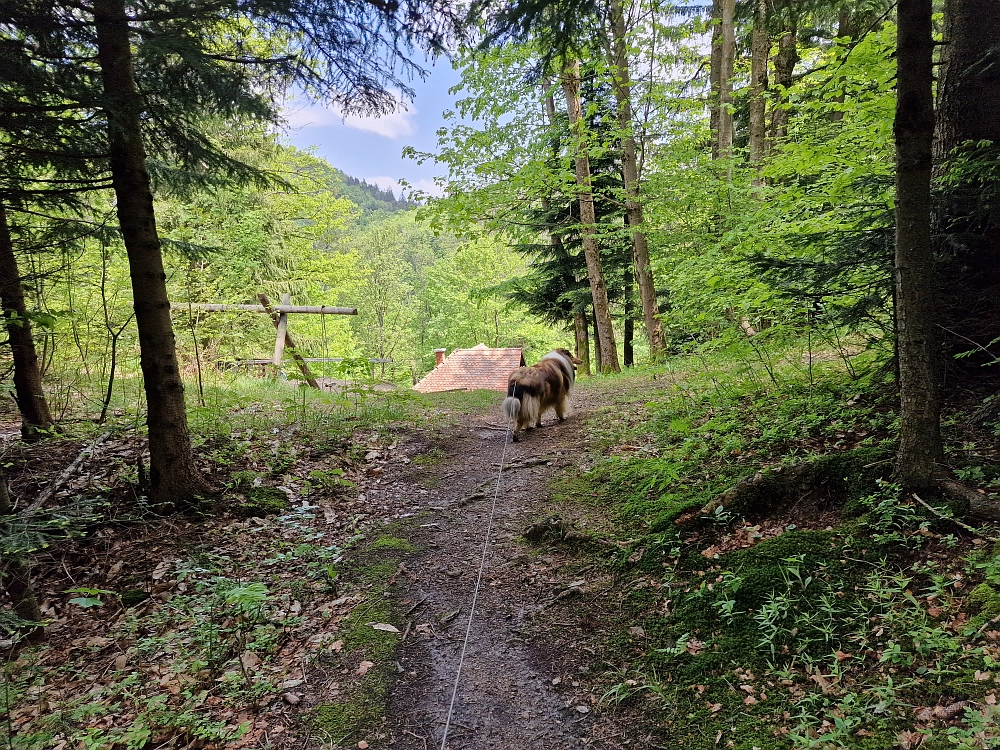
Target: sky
(370,148)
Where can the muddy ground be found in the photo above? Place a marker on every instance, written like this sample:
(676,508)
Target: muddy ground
(523,681)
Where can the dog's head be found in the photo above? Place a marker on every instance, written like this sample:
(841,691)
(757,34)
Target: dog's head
(572,360)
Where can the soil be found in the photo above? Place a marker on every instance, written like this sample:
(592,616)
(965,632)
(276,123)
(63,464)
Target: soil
(520,684)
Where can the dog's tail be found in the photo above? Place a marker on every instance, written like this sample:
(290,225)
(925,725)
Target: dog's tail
(511,407)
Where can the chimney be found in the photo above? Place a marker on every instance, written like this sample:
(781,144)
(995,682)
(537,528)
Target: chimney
(439,356)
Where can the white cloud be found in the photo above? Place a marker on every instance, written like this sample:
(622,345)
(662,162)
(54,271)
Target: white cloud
(393,125)
(428,186)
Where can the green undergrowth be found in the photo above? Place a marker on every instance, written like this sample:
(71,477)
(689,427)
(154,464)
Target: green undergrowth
(820,608)
(370,574)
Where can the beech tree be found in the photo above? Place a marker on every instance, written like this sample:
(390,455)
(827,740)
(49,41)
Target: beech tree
(721,64)
(570,79)
(618,54)
(760,51)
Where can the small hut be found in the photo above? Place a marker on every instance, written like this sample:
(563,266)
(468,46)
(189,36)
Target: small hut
(471,369)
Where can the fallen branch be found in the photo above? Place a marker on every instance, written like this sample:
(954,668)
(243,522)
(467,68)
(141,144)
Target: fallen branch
(955,521)
(54,486)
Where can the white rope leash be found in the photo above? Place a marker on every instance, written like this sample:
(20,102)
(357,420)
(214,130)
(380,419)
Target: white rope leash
(475,594)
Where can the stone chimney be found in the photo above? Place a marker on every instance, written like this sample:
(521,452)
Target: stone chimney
(439,356)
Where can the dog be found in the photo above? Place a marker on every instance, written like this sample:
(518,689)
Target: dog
(531,391)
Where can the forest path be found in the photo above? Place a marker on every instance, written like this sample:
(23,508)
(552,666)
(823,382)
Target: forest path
(518,688)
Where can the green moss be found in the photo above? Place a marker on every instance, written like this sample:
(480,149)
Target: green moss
(431,457)
(263,501)
(392,542)
(350,721)
(379,571)
(984,600)
(364,707)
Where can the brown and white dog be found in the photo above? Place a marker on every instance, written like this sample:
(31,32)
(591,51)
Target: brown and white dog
(531,391)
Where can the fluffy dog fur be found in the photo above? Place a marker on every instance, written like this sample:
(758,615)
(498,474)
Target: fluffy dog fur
(531,391)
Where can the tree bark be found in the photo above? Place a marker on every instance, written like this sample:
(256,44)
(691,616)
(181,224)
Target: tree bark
(727,61)
(588,222)
(920,406)
(714,76)
(582,341)
(622,84)
(784,68)
(628,352)
(969,111)
(760,49)
(597,348)
(173,479)
(36,420)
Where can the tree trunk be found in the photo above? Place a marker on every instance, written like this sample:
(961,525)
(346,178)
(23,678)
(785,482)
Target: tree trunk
(173,479)
(588,221)
(714,76)
(727,61)
(582,341)
(628,353)
(760,49)
(969,111)
(622,83)
(784,68)
(597,349)
(920,407)
(35,417)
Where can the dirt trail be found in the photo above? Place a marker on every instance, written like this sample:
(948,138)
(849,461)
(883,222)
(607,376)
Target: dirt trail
(516,690)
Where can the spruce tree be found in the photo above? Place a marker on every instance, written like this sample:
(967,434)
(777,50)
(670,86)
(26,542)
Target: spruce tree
(149,74)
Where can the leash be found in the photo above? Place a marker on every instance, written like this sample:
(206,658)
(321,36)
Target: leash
(479,580)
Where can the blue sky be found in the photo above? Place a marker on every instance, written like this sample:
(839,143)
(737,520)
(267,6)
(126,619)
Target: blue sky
(371,148)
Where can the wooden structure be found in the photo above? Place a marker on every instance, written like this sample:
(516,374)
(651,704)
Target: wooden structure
(472,369)
(279,317)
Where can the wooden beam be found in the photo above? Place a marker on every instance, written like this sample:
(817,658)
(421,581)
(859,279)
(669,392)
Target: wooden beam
(305,359)
(279,339)
(311,309)
(287,340)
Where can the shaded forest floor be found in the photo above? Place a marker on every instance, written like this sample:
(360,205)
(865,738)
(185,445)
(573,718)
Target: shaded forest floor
(323,601)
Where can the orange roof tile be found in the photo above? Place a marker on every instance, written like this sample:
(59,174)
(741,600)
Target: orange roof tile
(472,369)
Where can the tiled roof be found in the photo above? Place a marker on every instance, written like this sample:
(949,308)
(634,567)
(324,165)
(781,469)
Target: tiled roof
(471,369)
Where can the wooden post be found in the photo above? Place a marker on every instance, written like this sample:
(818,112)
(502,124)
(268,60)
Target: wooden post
(279,340)
(286,340)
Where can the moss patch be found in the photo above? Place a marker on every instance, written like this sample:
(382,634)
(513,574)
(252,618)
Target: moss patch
(431,457)
(392,542)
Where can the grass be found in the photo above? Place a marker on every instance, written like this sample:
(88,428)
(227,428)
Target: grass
(753,632)
(165,658)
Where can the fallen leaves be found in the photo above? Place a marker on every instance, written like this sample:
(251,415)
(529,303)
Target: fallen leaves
(910,740)
(363,668)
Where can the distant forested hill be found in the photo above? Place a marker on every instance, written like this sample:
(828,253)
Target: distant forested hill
(370,198)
